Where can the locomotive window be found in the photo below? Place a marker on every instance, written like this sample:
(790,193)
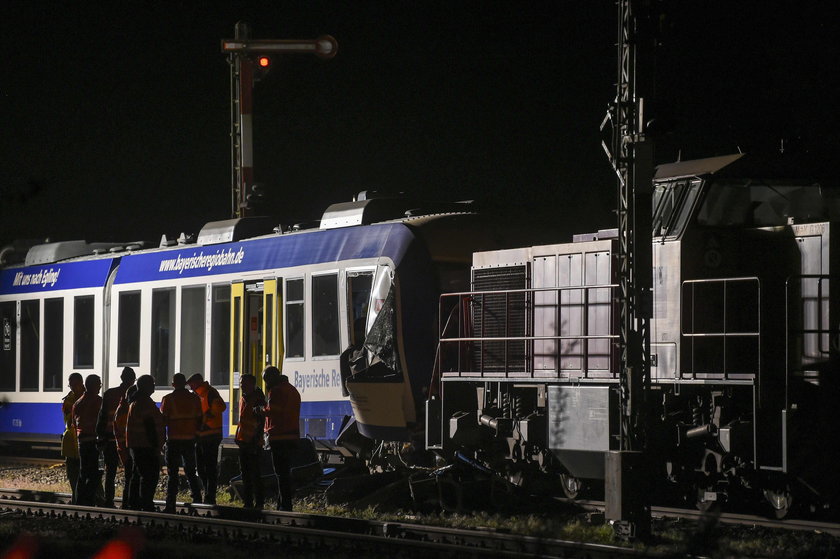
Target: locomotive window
(193,304)
(358,290)
(128,341)
(220,336)
(30,338)
(754,204)
(294,318)
(53,343)
(325,337)
(8,352)
(163,335)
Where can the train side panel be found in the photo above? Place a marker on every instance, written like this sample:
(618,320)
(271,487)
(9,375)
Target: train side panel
(53,324)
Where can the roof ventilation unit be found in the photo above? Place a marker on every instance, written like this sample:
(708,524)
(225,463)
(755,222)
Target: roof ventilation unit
(55,252)
(232,230)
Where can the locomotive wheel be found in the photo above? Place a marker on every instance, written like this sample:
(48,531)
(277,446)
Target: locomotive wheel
(780,501)
(571,486)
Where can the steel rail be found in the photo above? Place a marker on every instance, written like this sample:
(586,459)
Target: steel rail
(321,531)
(730,518)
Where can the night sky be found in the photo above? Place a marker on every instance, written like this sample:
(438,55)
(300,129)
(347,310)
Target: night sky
(116,120)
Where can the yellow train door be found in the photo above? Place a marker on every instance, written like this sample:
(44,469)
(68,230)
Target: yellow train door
(255,335)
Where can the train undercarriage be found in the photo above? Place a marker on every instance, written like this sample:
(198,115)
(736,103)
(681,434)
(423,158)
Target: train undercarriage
(701,446)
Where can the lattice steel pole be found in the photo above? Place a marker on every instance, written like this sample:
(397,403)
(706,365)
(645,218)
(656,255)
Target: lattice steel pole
(631,156)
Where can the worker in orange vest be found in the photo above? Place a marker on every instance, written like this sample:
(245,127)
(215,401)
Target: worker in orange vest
(282,425)
(145,436)
(85,413)
(249,439)
(105,431)
(209,435)
(131,491)
(182,416)
(69,442)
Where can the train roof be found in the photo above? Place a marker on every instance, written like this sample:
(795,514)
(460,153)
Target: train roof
(221,247)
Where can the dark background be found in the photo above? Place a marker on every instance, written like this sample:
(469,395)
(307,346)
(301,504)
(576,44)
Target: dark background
(115,117)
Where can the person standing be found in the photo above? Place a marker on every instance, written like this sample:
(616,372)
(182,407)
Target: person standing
(209,435)
(105,431)
(249,439)
(145,437)
(131,491)
(69,442)
(85,413)
(282,424)
(182,416)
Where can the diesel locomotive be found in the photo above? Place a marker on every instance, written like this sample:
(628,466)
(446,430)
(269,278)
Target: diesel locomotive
(744,347)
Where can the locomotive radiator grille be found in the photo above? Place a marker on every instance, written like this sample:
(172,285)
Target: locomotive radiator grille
(500,315)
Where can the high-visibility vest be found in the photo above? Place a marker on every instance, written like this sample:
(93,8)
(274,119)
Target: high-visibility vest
(212,407)
(182,414)
(69,442)
(144,428)
(250,425)
(110,400)
(120,422)
(282,412)
(85,413)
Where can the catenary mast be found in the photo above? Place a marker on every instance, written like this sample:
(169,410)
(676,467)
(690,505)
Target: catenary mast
(631,155)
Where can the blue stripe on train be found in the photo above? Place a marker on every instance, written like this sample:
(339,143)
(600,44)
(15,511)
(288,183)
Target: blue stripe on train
(283,251)
(57,276)
(321,420)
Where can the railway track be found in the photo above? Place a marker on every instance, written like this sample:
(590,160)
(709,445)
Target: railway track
(322,532)
(30,461)
(732,519)
(314,531)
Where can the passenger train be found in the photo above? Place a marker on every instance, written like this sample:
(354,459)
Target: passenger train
(242,295)
(744,348)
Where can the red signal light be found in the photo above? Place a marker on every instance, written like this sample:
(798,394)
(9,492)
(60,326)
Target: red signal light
(264,62)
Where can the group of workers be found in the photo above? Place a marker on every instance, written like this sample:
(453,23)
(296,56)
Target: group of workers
(125,426)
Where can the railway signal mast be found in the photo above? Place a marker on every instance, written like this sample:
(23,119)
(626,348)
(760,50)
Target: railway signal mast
(249,60)
(631,155)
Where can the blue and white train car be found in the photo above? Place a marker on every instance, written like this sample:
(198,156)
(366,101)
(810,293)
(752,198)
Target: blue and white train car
(237,300)
(51,313)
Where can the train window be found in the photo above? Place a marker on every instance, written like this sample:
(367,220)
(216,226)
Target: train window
(325,338)
(83,331)
(8,357)
(30,342)
(666,198)
(220,336)
(359,285)
(759,204)
(53,343)
(294,318)
(193,305)
(128,340)
(163,335)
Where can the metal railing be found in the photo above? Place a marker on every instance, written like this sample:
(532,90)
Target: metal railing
(710,327)
(507,336)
